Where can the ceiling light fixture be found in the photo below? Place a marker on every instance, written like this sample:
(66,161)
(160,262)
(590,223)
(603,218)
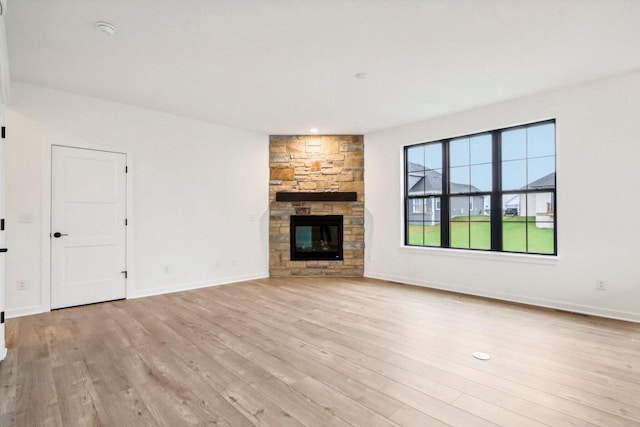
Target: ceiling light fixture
(360,76)
(105,27)
(314,130)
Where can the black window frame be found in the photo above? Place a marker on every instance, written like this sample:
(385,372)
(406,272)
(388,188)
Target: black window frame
(496,192)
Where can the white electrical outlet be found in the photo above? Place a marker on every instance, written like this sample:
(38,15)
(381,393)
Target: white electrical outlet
(21,285)
(233,263)
(601,285)
(166,269)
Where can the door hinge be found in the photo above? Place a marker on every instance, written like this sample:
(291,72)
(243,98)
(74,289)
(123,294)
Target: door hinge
(125,273)
(126,222)
(126,169)
(2,224)
(4,132)
(1,317)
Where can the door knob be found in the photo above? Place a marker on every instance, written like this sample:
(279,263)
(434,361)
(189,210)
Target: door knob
(57,234)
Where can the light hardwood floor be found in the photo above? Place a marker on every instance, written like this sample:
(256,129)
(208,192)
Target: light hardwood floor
(318,352)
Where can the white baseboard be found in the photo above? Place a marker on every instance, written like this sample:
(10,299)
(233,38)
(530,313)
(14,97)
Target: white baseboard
(37,309)
(25,311)
(191,286)
(3,354)
(559,305)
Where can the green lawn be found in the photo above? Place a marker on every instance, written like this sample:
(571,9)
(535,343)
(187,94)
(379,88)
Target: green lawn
(477,235)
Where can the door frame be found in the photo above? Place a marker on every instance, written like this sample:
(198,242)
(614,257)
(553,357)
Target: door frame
(45,291)
(3,213)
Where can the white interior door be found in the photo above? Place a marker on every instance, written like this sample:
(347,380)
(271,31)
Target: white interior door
(88,232)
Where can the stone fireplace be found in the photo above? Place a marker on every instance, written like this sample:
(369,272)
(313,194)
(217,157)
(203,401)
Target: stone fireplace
(316,177)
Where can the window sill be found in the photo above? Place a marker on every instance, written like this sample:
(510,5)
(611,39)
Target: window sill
(485,255)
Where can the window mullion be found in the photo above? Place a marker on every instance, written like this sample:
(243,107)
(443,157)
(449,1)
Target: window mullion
(496,193)
(445,212)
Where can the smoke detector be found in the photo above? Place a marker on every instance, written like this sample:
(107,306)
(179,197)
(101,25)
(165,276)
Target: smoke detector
(105,27)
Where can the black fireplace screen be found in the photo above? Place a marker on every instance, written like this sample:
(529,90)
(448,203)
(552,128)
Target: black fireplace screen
(316,237)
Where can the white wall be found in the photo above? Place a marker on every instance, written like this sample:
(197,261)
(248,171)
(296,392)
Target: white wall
(200,199)
(598,156)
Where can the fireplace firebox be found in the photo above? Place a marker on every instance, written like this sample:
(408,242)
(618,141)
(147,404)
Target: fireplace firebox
(316,237)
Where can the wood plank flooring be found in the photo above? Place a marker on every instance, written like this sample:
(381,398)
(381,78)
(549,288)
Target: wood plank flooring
(318,352)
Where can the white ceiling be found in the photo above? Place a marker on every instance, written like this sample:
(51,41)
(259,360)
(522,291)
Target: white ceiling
(283,66)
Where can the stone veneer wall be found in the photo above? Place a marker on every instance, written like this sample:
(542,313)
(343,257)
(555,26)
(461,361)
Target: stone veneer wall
(310,164)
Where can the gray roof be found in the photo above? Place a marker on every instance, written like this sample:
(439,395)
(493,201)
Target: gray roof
(547,181)
(431,183)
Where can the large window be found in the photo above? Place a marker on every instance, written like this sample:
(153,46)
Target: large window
(490,191)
